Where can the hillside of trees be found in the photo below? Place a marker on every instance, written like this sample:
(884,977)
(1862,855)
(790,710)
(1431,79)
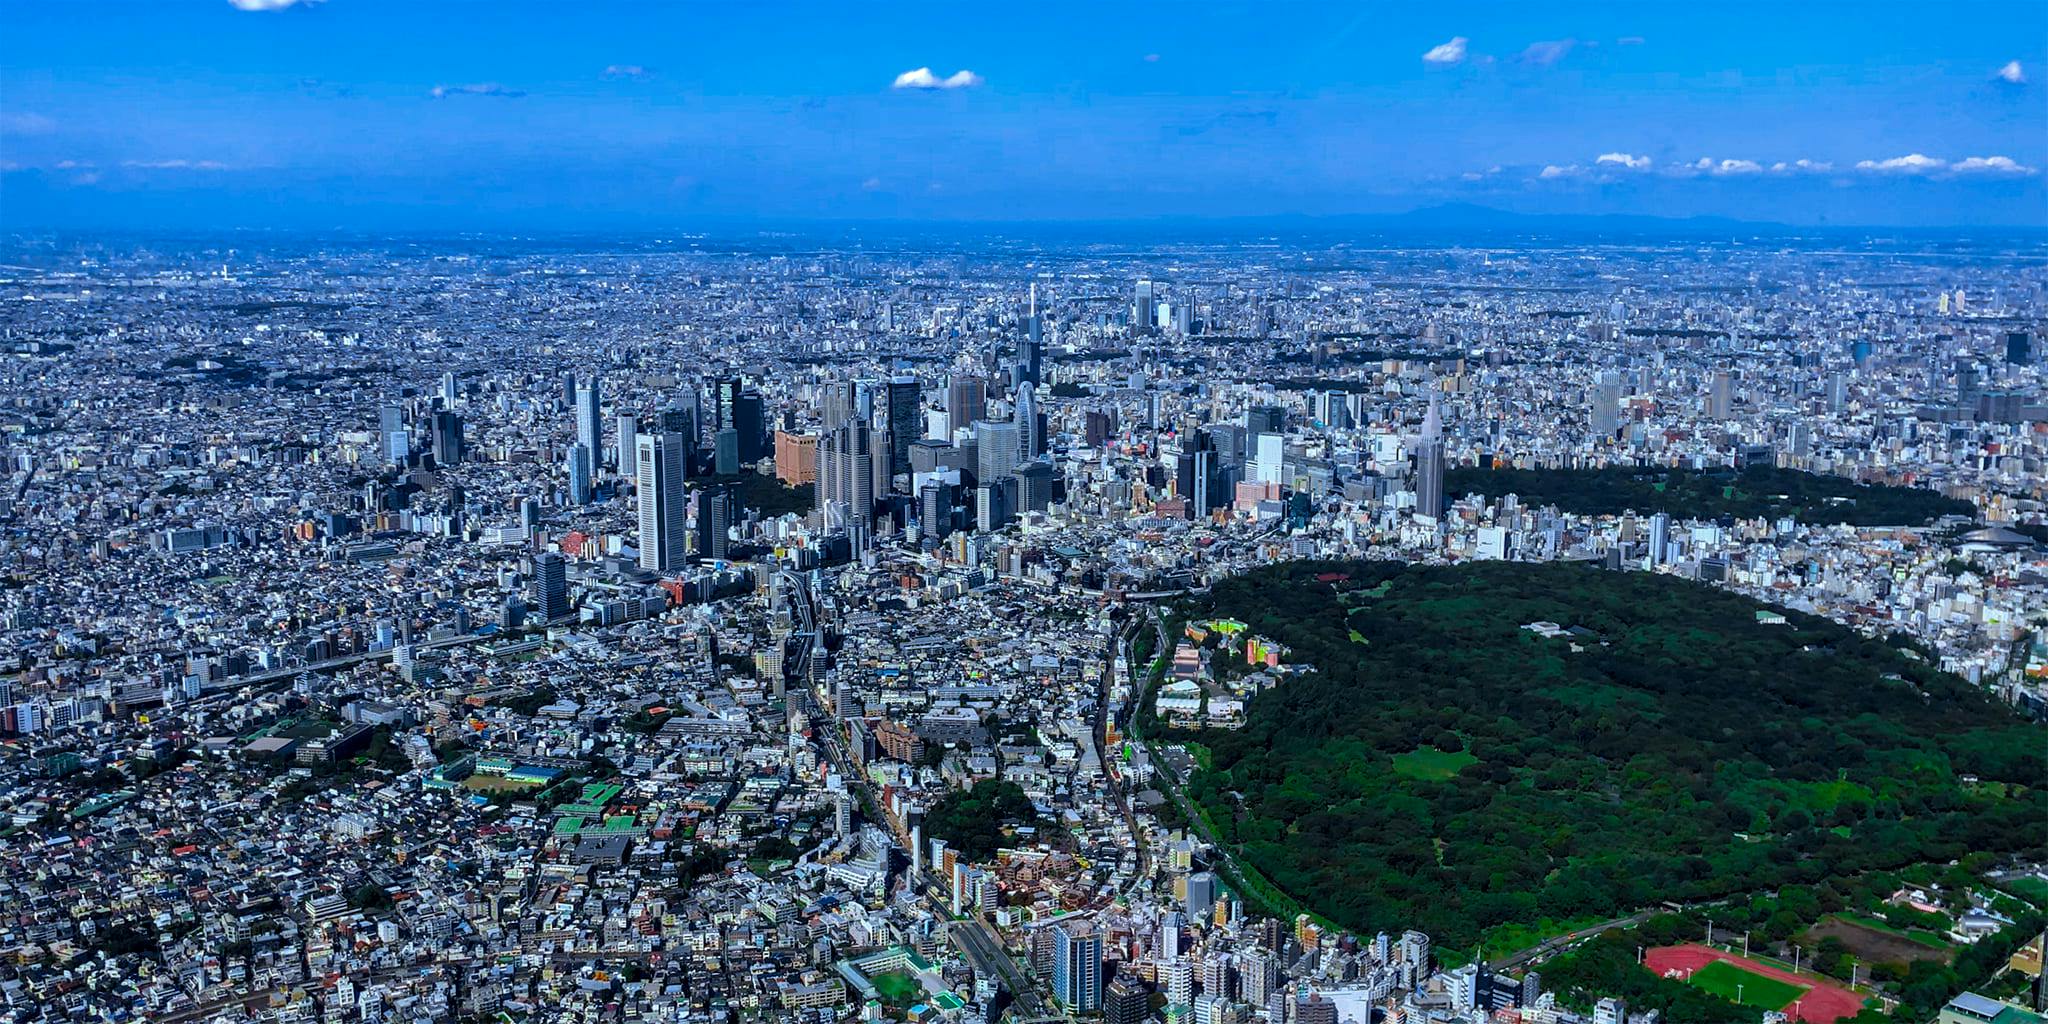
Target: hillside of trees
(971,821)
(1756,491)
(1676,749)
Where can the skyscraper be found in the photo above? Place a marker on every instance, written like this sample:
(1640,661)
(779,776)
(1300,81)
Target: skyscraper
(904,401)
(996,450)
(629,433)
(1605,414)
(550,586)
(1030,444)
(579,475)
(845,492)
(750,425)
(1721,396)
(391,435)
(1429,464)
(836,403)
(1143,308)
(589,426)
(664,520)
(1077,967)
(718,508)
(446,438)
(966,402)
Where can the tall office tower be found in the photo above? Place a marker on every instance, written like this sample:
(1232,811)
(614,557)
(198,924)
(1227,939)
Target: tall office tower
(1034,486)
(1030,367)
(750,423)
(1610,1011)
(905,401)
(1801,440)
(568,391)
(845,492)
(879,466)
(725,391)
(1143,308)
(1721,396)
(996,449)
(391,435)
(796,458)
(1333,410)
(1077,967)
(2019,348)
(1660,538)
(1605,415)
(449,392)
(1429,464)
(725,452)
(579,475)
(1183,317)
(1201,894)
(935,509)
(681,419)
(718,508)
(1265,419)
(995,503)
(966,402)
(1968,386)
(1126,1002)
(589,426)
(446,437)
(836,404)
(1098,427)
(1269,459)
(550,585)
(1030,441)
(629,444)
(1838,392)
(663,504)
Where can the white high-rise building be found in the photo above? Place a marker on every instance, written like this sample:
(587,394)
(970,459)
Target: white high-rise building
(663,505)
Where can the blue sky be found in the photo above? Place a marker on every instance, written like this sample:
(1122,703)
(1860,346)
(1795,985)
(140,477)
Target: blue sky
(386,114)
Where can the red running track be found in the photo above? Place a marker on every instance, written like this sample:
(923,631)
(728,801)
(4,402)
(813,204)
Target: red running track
(1824,1002)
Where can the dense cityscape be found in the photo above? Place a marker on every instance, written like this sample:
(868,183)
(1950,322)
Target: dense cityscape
(958,627)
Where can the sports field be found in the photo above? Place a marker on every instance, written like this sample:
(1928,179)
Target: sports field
(1736,985)
(1810,999)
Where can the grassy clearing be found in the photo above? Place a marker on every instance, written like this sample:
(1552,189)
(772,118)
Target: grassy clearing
(1433,764)
(1726,980)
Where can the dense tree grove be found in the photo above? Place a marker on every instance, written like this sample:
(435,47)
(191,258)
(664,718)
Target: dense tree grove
(1677,748)
(1753,492)
(971,821)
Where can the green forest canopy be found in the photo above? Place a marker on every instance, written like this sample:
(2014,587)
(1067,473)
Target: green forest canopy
(1749,493)
(1686,750)
(971,821)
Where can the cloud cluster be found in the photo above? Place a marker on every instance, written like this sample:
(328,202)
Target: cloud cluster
(1544,53)
(442,92)
(1452,52)
(2011,73)
(268,5)
(1631,162)
(174,165)
(1615,166)
(923,78)
(626,71)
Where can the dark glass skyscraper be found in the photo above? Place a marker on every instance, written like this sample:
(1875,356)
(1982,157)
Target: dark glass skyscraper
(905,401)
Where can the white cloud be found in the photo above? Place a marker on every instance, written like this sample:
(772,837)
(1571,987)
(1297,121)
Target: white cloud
(73,165)
(442,92)
(922,78)
(1802,166)
(2012,73)
(26,124)
(1911,163)
(1727,167)
(1547,52)
(1151,58)
(268,5)
(1452,52)
(175,165)
(1632,162)
(871,184)
(1990,165)
(1552,172)
(625,71)
(1629,41)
